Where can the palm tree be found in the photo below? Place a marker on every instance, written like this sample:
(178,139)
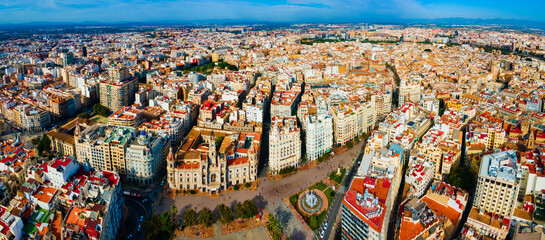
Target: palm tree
(173,211)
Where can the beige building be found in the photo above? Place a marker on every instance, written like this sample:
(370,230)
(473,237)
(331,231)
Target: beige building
(352,120)
(211,161)
(104,147)
(496,137)
(118,91)
(62,138)
(284,143)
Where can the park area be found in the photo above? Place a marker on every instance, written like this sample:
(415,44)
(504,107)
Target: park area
(312,204)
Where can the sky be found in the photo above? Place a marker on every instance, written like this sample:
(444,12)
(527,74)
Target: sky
(114,11)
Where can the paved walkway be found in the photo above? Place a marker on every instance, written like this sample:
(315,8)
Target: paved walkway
(254,233)
(268,194)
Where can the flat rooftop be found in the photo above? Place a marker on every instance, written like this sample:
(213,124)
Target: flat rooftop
(500,165)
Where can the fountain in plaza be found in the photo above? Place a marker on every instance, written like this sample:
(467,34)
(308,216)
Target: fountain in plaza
(311,199)
(312,202)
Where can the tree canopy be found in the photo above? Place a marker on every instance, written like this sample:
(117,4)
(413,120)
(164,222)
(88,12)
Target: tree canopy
(101,110)
(190,217)
(226,214)
(247,209)
(159,227)
(461,177)
(206,217)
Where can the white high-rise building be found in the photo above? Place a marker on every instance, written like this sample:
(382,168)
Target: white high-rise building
(284,143)
(318,135)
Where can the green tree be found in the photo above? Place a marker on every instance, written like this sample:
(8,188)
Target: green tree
(349,144)
(461,177)
(190,217)
(239,210)
(294,199)
(173,211)
(206,217)
(441,106)
(40,148)
(158,227)
(36,140)
(101,110)
(84,115)
(274,227)
(226,214)
(313,222)
(167,226)
(47,143)
(151,227)
(250,209)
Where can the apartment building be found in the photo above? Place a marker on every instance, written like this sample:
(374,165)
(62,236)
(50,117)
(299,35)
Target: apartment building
(284,143)
(119,90)
(498,183)
(409,92)
(85,142)
(108,150)
(318,135)
(351,120)
(345,123)
(28,117)
(284,103)
(367,205)
(419,175)
(254,105)
(59,170)
(171,125)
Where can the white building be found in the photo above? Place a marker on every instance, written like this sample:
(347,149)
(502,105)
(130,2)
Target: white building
(146,156)
(318,135)
(419,175)
(284,143)
(61,169)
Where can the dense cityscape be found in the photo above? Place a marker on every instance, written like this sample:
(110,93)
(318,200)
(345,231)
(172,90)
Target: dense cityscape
(251,131)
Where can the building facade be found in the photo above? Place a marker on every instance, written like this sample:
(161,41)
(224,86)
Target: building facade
(146,156)
(284,143)
(212,161)
(318,135)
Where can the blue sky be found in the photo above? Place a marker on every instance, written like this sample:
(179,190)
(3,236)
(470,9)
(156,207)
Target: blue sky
(22,11)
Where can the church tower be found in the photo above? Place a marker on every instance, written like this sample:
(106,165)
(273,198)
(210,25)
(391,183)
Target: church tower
(531,140)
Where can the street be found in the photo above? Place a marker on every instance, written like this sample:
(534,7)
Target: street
(136,209)
(337,201)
